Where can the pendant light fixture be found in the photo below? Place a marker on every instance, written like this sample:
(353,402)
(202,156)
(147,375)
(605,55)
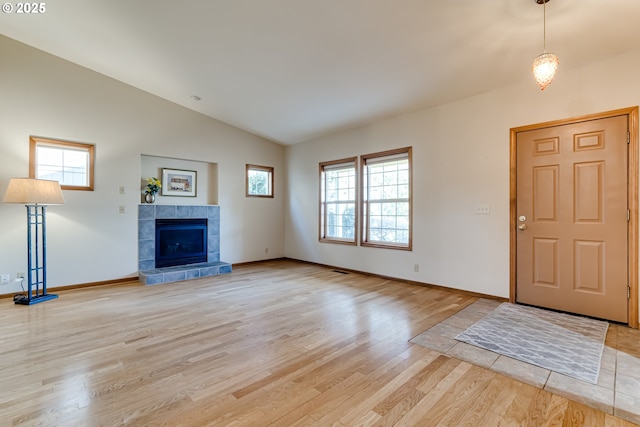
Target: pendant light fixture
(546,64)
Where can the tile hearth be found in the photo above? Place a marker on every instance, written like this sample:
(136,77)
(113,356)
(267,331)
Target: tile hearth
(147,215)
(183,272)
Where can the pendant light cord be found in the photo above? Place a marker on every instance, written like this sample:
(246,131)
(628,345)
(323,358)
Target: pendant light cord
(544,26)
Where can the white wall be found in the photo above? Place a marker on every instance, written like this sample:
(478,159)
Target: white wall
(461,160)
(88,239)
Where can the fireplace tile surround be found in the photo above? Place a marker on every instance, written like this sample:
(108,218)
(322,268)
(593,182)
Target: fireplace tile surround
(149,275)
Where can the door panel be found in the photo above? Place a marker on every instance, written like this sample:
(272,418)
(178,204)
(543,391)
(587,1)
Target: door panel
(571,206)
(545,193)
(588,267)
(588,180)
(545,262)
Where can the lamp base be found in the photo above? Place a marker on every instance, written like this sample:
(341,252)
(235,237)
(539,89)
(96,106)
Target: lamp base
(35,300)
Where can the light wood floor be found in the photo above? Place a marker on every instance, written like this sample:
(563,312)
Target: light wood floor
(273,344)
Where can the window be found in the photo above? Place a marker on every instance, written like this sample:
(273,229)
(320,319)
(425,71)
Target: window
(338,201)
(259,181)
(386,199)
(69,163)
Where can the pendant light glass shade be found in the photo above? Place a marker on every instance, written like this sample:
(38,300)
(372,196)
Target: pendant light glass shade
(544,69)
(546,64)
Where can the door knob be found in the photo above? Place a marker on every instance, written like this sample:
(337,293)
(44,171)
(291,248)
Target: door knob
(522,227)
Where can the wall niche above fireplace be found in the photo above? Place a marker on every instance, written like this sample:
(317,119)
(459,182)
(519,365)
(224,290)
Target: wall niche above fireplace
(207,179)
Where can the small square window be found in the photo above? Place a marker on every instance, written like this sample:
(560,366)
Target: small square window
(259,181)
(69,163)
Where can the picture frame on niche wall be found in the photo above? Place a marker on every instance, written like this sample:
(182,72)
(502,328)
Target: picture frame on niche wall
(177,182)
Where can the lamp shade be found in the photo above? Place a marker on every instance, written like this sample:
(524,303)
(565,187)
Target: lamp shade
(30,191)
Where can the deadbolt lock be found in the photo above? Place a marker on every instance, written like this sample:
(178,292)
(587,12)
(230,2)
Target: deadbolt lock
(522,218)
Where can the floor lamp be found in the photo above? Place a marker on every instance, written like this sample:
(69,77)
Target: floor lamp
(35,194)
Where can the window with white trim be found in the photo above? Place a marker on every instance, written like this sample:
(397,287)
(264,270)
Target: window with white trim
(69,163)
(338,201)
(386,199)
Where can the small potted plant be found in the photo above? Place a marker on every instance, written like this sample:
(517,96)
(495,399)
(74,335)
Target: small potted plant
(151,189)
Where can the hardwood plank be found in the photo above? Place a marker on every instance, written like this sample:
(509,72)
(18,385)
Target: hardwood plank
(278,343)
(428,404)
(452,405)
(382,381)
(349,411)
(546,409)
(517,413)
(495,413)
(409,387)
(473,411)
(611,421)
(580,415)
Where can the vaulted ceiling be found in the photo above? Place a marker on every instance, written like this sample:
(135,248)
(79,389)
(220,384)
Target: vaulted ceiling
(294,70)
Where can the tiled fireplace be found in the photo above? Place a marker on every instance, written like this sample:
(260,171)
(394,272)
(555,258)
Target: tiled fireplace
(147,215)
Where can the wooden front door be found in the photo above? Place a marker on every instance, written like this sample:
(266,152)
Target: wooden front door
(572,217)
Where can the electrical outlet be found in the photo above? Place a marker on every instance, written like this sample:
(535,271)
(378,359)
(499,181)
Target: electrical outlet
(122,209)
(122,189)
(19,275)
(266,250)
(416,268)
(483,209)
(4,278)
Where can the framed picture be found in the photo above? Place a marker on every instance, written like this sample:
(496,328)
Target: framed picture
(177,182)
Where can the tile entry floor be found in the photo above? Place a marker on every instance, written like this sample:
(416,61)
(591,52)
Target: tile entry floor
(618,388)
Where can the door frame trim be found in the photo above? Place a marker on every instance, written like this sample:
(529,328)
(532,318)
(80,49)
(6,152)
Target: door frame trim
(632,199)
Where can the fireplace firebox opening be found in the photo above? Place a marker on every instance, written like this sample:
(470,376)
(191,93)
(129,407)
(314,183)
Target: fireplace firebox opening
(180,241)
